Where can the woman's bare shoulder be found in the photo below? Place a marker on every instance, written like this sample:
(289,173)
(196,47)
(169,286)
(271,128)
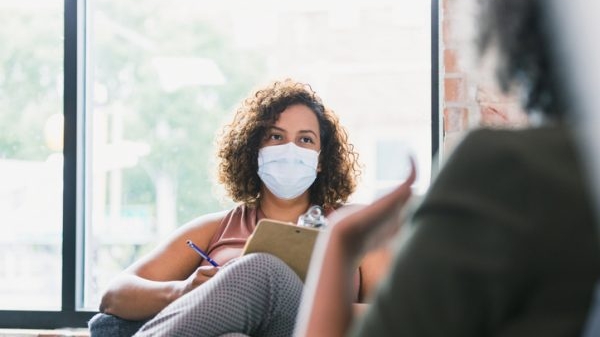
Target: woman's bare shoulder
(209,219)
(200,230)
(202,227)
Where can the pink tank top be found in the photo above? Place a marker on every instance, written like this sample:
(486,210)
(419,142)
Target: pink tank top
(230,238)
(228,241)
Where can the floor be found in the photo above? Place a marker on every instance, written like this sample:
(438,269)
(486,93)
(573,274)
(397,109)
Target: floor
(44,333)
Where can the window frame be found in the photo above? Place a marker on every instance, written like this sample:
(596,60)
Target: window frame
(74,181)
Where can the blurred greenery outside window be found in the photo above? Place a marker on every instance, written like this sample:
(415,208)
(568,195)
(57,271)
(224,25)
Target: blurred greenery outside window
(161,79)
(31,107)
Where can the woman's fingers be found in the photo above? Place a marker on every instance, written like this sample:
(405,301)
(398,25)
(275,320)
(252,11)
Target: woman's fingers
(202,274)
(360,226)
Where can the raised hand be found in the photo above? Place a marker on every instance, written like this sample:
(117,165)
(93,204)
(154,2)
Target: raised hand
(326,308)
(361,228)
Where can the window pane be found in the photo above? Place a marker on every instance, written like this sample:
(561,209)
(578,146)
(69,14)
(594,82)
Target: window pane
(31,154)
(165,76)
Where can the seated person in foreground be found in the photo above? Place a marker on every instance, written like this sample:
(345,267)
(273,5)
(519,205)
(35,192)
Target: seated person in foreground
(503,244)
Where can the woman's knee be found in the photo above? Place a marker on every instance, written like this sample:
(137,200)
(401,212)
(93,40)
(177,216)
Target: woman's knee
(264,259)
(269,265)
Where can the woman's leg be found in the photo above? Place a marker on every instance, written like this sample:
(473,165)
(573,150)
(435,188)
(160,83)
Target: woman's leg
(257,294)
(108,325)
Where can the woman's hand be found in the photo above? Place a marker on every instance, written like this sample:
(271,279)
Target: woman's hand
(362,228)
(326,308)
(198,277)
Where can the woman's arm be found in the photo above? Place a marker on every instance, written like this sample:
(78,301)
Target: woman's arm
(168,272)
(374,266)
(326,308)
(135,298)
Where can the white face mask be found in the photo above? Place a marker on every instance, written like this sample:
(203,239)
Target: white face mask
(287,170)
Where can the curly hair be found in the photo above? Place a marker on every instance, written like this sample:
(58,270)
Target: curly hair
(239,142)
(519,30)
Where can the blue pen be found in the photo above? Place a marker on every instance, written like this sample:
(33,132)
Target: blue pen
(202,253)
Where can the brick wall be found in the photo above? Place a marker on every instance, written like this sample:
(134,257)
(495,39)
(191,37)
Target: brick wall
(468,102)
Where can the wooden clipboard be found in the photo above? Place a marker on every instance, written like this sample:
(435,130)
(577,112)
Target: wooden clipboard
(292,244)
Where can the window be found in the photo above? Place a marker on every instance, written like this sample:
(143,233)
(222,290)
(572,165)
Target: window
(31,161)
(145,90)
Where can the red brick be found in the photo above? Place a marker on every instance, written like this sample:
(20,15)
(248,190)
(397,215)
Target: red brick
(446,31)
(450,61)
(455,89)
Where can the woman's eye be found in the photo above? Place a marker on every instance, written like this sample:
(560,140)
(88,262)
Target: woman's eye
(306,140)
(276,137)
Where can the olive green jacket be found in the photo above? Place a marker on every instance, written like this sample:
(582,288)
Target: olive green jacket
(503,244)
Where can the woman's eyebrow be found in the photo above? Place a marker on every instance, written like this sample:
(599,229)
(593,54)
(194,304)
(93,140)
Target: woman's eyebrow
(276,128)
(308,131)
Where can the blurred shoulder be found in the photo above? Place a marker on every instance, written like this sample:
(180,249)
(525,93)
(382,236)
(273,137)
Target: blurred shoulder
(493,145)
(209,219)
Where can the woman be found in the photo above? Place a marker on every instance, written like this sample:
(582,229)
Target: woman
(504,243)
(283,152)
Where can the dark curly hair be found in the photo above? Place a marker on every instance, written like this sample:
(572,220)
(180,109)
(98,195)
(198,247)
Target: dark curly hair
(520,31)
(239,142)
